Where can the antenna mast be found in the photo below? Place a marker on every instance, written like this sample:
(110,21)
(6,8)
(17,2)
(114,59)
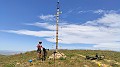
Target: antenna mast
(57,54)
(57,21)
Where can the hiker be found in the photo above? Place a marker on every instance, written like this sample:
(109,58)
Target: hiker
(39,49)
(44,54)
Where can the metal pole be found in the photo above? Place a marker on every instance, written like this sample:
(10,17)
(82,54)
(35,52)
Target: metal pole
(57,20)
(54,59)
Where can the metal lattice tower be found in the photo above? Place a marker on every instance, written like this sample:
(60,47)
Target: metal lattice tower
(57,21)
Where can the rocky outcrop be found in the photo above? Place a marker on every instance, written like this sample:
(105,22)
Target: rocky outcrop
(57,55)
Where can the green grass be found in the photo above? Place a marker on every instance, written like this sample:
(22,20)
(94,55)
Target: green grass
(72,60)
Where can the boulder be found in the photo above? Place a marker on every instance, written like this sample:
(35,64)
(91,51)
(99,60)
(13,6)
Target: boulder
(58,55)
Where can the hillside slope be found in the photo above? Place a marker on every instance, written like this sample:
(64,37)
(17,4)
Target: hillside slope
(75,58)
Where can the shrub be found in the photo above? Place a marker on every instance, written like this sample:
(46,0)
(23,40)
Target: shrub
(61,58)
(50,62)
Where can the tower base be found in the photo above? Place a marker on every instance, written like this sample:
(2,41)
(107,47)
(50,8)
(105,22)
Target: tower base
(57,55)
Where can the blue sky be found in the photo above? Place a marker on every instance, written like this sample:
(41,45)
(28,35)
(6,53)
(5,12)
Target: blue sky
(84,24)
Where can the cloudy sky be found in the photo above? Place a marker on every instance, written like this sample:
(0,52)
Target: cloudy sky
(84,24)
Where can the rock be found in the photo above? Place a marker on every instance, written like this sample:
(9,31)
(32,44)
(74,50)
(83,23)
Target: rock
(58,55)
(86,66)
(18,63)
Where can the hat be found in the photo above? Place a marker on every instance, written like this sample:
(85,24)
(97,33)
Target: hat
(40,42)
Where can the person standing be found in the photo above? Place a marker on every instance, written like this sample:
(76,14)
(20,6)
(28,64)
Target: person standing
(39,50)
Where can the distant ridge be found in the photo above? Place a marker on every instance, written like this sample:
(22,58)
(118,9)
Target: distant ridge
(9,52)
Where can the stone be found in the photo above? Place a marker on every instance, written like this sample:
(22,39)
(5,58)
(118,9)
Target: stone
(58,55)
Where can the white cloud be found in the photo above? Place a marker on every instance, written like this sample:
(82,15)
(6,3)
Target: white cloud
(38,24)
(112,45)
(92,32)
(109,20)
(32,33)
(69,12)
(99,11)
(45,25)
(47,17)
(115,46)
(87,11)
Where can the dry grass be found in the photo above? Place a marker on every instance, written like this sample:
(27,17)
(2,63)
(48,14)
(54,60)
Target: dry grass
(72,60)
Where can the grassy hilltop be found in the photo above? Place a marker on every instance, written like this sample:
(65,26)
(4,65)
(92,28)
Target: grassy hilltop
(75,58)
